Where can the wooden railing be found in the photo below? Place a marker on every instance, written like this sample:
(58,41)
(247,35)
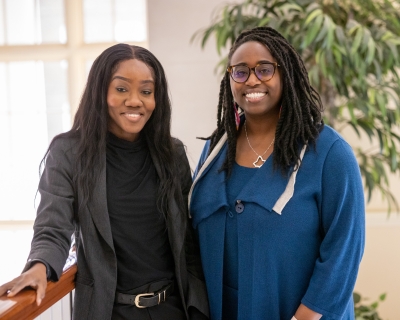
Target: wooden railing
(23,305)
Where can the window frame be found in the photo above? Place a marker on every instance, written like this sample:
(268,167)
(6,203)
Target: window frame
(75,51)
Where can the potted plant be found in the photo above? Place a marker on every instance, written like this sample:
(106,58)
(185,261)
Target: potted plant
(364,311)
(351,49)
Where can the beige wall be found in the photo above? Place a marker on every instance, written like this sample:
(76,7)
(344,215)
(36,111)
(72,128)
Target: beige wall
(194,89)
(380,267)
(190,70)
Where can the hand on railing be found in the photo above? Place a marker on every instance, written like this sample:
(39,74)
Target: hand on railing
(35,278)
(23,306)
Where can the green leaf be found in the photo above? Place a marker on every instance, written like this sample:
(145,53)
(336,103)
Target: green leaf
(371,50)
(340,34)
(356,297)
(338,56)
(365,38)
(394,50)
(357,40)
(367,128)
(312,15)
(264,21)
(378,70)
(323,31)
(381,143)
(352,116)
(381,103)
(221,38)
(313,31)
(393,158)
(331,31)
(354,126)
(387,35)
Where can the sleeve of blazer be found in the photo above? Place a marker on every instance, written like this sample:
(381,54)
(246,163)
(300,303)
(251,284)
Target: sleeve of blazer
(197,301)
(54,225)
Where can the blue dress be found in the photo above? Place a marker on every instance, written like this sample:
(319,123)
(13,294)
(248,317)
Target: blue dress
(298,238)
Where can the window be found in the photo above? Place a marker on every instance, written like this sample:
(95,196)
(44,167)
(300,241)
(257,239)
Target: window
(114,20)
(34,108)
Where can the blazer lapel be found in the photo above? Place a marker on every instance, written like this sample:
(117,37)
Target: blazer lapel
(98,206)
(175,220)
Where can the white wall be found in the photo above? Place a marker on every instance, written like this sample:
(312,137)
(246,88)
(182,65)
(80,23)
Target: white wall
(195,87)
(190,71)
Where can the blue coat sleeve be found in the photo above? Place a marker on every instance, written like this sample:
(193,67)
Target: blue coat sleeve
(342,208)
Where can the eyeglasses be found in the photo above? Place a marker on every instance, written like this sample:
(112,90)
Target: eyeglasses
(263,71)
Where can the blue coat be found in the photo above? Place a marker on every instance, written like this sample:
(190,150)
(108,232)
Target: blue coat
(300,236)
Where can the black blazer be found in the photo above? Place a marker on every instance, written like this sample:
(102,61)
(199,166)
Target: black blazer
(59,216)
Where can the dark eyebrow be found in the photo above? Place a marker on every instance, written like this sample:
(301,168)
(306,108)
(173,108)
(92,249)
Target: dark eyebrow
(147,81)
(128,80)
(121,78)
(258,62)
(265,61)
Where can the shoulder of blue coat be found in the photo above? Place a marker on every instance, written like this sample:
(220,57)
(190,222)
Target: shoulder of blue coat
(328,137)
(202,158)
(206,149)
(332,145)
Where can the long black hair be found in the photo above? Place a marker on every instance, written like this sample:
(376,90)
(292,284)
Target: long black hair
(301,116)
(90,125)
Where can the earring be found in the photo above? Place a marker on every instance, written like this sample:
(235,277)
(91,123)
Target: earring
(280,111)
(237,118)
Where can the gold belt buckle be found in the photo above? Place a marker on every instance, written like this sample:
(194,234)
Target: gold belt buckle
(141,295)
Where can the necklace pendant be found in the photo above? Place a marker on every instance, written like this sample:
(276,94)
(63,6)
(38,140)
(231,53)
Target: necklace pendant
(259,162)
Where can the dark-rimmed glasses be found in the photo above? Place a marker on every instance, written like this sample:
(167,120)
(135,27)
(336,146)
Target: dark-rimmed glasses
(263,71)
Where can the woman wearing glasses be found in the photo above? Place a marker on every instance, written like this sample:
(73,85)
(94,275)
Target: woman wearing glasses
(277,199)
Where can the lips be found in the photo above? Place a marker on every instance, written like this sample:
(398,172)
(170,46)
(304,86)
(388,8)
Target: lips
(254,96)
(132,116)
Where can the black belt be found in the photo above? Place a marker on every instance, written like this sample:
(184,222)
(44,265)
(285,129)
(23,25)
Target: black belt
(145,300)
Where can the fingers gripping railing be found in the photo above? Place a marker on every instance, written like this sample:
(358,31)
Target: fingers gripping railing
(23,305)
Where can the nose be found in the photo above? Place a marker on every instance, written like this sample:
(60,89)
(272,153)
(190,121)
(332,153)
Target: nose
(133,100)
(252,79)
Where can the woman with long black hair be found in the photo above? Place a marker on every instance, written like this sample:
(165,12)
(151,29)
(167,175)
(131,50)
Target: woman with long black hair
(119,182)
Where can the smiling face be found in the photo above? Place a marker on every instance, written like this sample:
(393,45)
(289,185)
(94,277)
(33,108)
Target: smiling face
(256,97)
(130,99)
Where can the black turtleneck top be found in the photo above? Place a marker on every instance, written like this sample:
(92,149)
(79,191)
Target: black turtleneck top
(138,227)
(144,257)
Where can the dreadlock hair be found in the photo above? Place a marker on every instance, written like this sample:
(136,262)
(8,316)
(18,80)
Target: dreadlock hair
(301,118)
(90,127)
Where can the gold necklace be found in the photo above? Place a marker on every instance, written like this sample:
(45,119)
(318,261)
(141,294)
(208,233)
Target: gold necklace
(259,157)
